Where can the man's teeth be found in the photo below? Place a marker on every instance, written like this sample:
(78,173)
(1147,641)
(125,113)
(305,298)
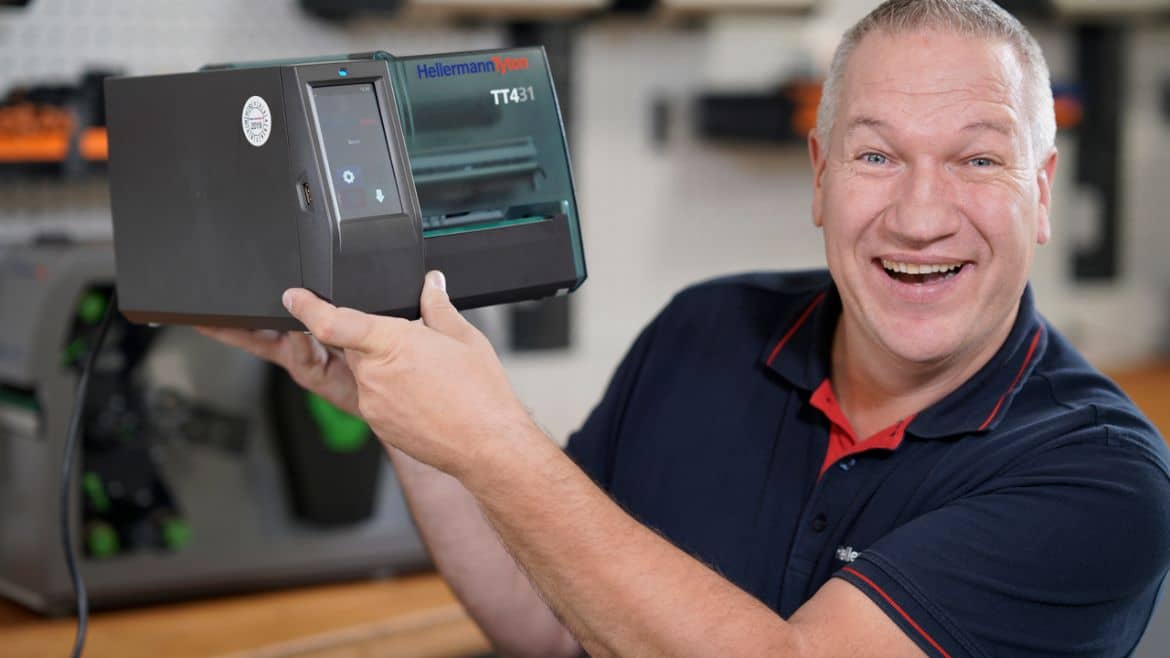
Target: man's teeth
(915,268)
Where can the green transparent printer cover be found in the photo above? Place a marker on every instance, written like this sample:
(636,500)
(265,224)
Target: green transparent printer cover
(485,138)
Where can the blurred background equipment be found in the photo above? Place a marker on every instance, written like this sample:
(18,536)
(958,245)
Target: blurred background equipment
(698,7)
(201,469)
(1088,9)
(496,10)
(56,129)
(784,116)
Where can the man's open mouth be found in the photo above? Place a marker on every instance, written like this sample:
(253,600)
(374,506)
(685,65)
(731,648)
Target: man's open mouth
(919,273)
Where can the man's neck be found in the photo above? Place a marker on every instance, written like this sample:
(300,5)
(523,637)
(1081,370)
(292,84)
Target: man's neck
(876,388)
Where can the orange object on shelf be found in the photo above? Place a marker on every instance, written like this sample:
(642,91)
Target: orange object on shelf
(53,146)
(806,97)
(36,147)
(25,118)
(1069,112)
(94,144)
(38,134)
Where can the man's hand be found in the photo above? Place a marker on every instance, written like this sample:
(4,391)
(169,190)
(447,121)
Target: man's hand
(317,368)
(435,389)
(464,547)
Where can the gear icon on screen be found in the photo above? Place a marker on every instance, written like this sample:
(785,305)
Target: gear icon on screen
(348,177)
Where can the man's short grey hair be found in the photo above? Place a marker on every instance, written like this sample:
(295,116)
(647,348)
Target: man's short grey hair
(975,18)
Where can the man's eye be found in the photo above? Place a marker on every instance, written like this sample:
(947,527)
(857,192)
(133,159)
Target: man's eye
(873,158)
(982,162)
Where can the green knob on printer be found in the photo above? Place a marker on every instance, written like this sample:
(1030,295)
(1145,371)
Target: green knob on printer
(92,307)
(101,540)
(176,533)
(74,351)
(342,432)
(91,483)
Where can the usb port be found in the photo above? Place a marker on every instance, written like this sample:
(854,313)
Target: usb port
(306,195)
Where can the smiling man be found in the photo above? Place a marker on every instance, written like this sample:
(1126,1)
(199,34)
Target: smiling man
(896,457)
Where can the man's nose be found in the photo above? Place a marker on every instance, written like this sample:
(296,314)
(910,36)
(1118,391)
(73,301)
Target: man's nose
(925,210)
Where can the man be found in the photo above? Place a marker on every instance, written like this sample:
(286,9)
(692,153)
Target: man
(904,459)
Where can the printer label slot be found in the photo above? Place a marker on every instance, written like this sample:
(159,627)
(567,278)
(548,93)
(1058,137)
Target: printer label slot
(482,226)
(19,412)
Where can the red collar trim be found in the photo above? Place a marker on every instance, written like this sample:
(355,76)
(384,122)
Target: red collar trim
(887,439)
(795,326)
(1015,380)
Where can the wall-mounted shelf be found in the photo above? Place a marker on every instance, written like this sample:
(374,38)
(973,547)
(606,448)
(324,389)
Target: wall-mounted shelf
(54,129)
(502,10)
(53,147)
(787,114)
(507,9)
(700,7)
(1089,9)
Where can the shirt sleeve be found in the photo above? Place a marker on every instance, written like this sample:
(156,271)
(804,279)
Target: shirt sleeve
(592,447)
(1063,556)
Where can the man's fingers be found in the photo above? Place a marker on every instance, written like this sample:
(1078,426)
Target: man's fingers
(264,344)
(305,351)
(437,311)
(339,327)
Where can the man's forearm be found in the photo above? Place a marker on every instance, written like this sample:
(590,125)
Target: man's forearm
(620,588)
(476,566)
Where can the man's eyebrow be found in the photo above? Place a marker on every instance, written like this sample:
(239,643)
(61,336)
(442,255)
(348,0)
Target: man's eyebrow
(864,121)
(995,126)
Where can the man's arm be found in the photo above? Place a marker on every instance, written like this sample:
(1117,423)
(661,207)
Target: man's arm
(438,393)
(463,546)
(477,567)
(625,591)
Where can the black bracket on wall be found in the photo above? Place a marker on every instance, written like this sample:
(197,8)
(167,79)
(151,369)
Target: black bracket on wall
(1166,99)
(339,10)
(1101,63)
(546,324)
(783,116)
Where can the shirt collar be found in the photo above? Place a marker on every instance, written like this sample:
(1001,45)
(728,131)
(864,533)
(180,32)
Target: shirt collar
(801,348)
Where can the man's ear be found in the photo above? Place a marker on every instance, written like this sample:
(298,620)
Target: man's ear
(817,153)
(1044,182)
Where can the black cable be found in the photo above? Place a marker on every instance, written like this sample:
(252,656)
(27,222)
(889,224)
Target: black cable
(72,439)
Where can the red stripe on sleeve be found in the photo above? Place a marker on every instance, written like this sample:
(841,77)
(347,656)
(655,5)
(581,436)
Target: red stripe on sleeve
(897,607)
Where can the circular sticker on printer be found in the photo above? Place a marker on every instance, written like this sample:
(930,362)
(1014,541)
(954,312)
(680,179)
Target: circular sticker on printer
(257,120)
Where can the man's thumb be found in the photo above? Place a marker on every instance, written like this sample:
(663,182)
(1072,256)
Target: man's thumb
(437,311)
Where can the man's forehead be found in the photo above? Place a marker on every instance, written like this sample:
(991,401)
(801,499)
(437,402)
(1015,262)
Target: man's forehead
(930,67)
(928,80)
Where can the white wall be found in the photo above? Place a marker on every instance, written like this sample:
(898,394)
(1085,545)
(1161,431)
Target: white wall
(655,218)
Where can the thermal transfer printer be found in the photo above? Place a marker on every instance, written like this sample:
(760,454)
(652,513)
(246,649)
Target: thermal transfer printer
(350,176)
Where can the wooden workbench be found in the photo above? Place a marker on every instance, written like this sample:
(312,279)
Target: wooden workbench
(415,616)
(1149,387)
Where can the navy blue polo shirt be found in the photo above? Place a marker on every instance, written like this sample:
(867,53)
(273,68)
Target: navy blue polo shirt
(1025,514)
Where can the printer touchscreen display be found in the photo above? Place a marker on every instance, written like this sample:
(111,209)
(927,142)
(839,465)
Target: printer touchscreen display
(360,171)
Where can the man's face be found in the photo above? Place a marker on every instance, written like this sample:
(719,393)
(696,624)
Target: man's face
(929,194)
